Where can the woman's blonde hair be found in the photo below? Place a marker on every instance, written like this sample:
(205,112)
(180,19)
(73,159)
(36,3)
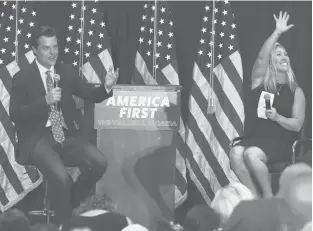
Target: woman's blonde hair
(271,73)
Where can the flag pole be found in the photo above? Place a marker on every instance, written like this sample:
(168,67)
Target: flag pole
(81,47)
(211,101)
(16,34)
(154,38)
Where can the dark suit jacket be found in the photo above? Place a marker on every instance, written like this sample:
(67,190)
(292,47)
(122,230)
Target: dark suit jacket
(29,110)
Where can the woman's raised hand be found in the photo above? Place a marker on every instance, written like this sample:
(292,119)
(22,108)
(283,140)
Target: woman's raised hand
(281,22)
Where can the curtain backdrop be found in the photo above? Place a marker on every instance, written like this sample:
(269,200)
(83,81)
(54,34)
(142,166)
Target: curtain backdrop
(254,24)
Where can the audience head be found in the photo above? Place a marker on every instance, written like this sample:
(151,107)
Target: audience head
(95,202)
(14,220)
(227,198)
(202,218)
(44,227)
(289,174)
(135,227)
(307,227)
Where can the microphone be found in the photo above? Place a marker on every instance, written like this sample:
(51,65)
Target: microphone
(56,79)
(267,99)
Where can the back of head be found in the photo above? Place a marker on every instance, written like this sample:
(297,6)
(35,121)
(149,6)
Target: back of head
(227,198)
(135,227)
(14,220)
(202,218)
(299,196)
(44,227)
(289,174)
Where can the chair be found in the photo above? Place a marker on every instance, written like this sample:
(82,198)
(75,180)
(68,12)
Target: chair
(298,150)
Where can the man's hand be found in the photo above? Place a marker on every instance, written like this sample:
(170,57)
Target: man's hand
(53,96)
(111,78)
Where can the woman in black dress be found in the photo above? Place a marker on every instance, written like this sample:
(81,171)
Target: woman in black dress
(269,139)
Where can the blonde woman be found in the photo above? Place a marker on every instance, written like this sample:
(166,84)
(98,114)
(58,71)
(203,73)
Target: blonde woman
(270,138)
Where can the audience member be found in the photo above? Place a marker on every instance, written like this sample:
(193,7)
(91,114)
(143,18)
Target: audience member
(92,215)
(14,220)
(307,227)
(44,227)
(273,213)
(202,218)
(227,198)
(135,227)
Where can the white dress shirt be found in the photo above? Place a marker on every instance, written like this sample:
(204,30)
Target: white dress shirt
(43,74)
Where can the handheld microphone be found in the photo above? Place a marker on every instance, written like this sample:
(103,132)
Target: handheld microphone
(267,99)
(56,79)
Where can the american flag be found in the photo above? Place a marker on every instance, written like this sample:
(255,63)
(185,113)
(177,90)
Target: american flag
(217,81)
(161,42)
(17,22)
(87,42)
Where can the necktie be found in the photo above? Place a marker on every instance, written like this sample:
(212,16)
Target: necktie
(54,116)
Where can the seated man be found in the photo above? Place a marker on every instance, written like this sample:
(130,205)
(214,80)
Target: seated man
(43,110)
(276,213)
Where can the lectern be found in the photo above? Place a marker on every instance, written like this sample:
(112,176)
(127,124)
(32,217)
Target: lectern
(136,129)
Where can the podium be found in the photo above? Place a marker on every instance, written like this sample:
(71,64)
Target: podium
(136,130)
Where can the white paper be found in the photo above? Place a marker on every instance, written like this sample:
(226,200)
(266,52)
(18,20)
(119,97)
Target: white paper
(261,104)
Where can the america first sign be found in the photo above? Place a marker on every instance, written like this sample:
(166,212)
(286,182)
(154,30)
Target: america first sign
(140,107)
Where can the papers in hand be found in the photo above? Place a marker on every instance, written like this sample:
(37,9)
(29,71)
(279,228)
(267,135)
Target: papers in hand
(261,105)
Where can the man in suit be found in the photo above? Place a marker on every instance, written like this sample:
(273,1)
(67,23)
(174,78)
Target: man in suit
(47,134)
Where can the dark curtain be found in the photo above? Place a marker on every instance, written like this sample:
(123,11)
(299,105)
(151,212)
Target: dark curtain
(254,24)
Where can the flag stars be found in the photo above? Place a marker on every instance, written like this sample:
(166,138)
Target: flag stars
(207,8)
(152,19)
(224,12)
(153,7)
(203,30)
(159,43)
(15,43)
(2,14)
(21,21)
(94,10)
(87,55)
(13,54)
(33,13)
(161,20)
(150,42)
(84,8)
(168,57)
(88,43)
(157,55)
(223,23)
(215,10)
(214,21)
(29,35)
(201,41)
(80,30)
(13,6)
(5,3)
(145,6)
(70,27)
(170,34)
(144,17)
(222,34)
(11,17)
(208,65)
(90,32)
(31,24)
(233,26)
(156,66)
(226,1)
(19,32)
(76,52)
(75,63)
(66,50)
(151,30)
(23,9)
(142,28)
(232,36)
(99,46)
(102,24)
(160,32)
(219,56)
(148,53)
(8,28)
(162,9)
(211,43)
(220,45)
(210,54)
(74,5)
(169,46)
(92,21)
(1,61)
(3,50)
(72,16)
(205,19)
(230,47)
(200,52)
(26,46)
(140,40)
(171,23)
(212,32)
(78,41)
(101,35)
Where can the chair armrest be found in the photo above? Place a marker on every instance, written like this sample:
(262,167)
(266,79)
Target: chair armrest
(295,145)
(236,139)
